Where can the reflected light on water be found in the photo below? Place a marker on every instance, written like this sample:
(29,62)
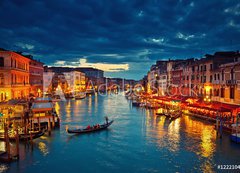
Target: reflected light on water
(197,128)
(140,140)
(57,108)
(43,148)
(3,167)
(207,167)
(2,146)
(68,109)
(173,135)
(207,145)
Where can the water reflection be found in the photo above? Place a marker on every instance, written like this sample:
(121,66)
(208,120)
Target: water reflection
(3,167)
(57,108)
(43,148)
(173,135)
(138,141)
(200,136)
(207,145)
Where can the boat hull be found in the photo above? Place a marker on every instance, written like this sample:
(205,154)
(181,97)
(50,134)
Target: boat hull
(235,138)
(83,131)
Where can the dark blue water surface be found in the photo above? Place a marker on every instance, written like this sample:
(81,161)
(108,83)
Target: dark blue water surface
(137,141)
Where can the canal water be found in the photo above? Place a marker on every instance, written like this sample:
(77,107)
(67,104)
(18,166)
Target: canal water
(137,141)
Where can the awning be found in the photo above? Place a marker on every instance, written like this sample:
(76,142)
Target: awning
(41,107)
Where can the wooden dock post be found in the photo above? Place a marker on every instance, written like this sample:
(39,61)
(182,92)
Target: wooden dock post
(31,138)
(7,144)
(217,125)
(49,126)
(58,121)
(39,126)
(221,128)
(17,143)
(53,121)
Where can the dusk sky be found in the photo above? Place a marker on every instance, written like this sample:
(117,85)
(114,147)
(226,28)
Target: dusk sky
(122,37)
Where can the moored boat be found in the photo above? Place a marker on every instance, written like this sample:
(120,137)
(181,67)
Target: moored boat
(90,91)
(160,114)
(174,116)
(80,96)
(24,137)
(136,103)
(56,98)
(235,136)
(90,129)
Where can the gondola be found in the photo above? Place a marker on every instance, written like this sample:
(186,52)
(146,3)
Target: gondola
(24,137)
(175,116)
(160,114)
(89,130)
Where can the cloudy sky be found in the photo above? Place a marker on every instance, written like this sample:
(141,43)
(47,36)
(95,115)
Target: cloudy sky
(123,37)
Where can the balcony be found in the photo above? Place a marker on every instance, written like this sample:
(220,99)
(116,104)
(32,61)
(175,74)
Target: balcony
(231,82)
(13,68)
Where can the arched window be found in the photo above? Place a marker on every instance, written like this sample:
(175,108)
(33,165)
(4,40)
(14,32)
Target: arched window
(1,62)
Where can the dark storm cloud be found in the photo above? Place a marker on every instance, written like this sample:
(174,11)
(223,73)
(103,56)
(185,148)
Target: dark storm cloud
(136,32)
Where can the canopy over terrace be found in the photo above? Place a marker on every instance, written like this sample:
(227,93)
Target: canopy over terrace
(39,107)
(210,108)
(216,106)
(43,99)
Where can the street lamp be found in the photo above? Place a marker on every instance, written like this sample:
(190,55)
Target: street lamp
(39,91)
(207,99)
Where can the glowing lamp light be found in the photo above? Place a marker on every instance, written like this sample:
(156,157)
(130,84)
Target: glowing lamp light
(208,88)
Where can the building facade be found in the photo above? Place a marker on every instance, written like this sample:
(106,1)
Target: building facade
(14,76)
(36,78)
(229,89)
(213,77)
(76,81)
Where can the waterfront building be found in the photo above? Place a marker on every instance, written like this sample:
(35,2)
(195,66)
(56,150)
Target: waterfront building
(161,71)
(152,80)
(48,82)
(76,81)
(93,77)
(177,82)
(143,82)
(14,75)
(209,72)
(130,83)
(190,79)
(36,77)
(203,78)
(229,89)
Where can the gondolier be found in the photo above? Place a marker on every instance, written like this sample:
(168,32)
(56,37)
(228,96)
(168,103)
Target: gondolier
(106,118)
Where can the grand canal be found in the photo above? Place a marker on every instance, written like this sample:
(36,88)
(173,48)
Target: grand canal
(138,141)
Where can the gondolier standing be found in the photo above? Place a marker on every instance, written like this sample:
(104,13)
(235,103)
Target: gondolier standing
(106,118)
